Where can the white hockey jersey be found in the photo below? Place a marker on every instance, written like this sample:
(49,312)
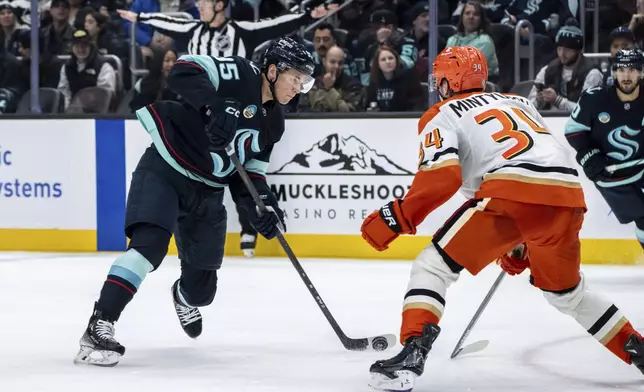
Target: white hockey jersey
(490,145)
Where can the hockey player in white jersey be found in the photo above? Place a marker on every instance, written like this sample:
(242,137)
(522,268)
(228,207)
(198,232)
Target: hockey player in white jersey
(523,189)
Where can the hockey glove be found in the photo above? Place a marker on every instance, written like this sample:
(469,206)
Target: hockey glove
(381,227)
(269,223)
(515,261)
(222,118)
(594,164)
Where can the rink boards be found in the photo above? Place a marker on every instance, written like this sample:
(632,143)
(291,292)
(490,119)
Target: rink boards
(63,186)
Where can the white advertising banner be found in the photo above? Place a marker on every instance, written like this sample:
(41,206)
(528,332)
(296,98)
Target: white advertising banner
(329,174)
(136,141)
(47,174)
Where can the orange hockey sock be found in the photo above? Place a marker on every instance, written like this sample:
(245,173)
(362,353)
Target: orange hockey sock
(615,339)
(413,322)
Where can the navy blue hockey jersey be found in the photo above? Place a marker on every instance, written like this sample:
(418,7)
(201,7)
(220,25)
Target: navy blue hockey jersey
(178,129)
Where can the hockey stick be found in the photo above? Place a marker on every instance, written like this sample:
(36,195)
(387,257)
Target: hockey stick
(376,343)
(481,344)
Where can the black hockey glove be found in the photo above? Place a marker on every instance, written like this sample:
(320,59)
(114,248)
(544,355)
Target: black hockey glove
(221,120)
(594,164)
(268,223)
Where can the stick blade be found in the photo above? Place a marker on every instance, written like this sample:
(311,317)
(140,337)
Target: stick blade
(471,348)
(375,343)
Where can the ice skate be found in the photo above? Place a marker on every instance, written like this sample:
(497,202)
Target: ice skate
(247,244)
(399,373)
(635,347)
(97,345)
(189,317)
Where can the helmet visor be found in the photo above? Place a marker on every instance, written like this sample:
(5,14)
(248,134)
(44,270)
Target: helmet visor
(300,79)
(432,82)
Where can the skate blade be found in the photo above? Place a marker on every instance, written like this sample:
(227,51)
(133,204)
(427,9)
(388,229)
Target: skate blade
(403,382)
(249,253)
(102,358)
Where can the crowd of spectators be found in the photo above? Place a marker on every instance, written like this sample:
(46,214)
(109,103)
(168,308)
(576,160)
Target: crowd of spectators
(372,55)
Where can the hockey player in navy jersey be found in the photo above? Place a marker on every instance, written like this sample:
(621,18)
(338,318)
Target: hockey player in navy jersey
(178,185)
(606,129)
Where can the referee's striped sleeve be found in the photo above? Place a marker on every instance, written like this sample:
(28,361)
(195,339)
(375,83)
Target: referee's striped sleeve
(168,23)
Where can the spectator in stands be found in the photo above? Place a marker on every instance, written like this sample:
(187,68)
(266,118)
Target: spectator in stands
(620,38)
(9,29)
(560,84)
(323,39)
(419,33)
(86,68)
(11,85)
(383,31)
(21,10)
(443,10)
(145,34)
(308,45)
(356,17)
(161,42)
(153,87)
(48,67)
(538,13)
(613,14)
(392,87)
(544,17)
(268,9)
(636,25)
(76,16)
(494,10)
(334,91)
(187,6)
(96,25)
(474,30)
(57,37)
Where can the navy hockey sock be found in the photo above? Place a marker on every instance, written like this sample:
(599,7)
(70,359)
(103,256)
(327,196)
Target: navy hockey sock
(198,286)
(123,280)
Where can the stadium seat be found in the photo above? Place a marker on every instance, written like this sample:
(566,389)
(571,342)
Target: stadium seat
(94,100)
(446,31)
(51,101)
(522,88)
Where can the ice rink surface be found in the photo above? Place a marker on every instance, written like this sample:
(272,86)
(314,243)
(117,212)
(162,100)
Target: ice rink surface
(264,332)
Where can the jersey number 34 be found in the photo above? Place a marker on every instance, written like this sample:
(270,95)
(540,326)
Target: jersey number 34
(510,129)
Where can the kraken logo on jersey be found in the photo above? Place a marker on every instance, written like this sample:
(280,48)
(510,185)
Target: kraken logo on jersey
(617,139)
(244,138)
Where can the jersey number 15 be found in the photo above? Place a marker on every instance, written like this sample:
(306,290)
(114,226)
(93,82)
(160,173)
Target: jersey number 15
(228,68)
(510,129)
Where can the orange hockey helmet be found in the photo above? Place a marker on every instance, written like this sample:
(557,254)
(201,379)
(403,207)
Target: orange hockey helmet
(463,67)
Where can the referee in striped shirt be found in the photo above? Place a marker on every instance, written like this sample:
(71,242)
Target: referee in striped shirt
(215,35)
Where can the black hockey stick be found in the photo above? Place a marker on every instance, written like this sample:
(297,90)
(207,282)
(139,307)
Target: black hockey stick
(480,344)
(376,343)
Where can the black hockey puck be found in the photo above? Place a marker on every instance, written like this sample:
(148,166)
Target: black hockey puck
(379,343)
